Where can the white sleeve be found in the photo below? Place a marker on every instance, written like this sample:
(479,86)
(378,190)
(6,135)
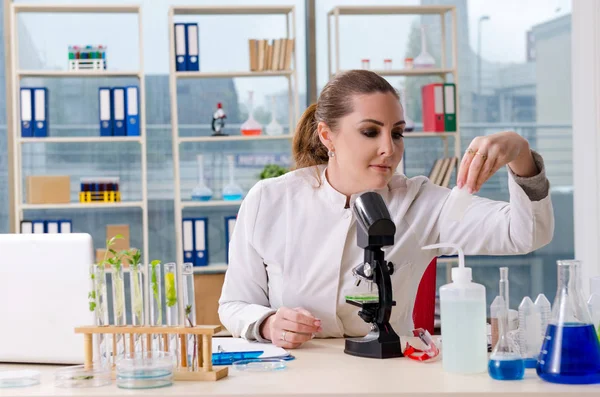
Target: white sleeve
(493,227)
(244,298)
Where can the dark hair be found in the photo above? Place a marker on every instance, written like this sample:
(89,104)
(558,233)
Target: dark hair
(335,102)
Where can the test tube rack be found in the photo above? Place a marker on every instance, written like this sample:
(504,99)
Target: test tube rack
(204,371)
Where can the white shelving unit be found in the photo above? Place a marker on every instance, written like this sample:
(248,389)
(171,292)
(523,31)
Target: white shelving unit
(174,77)
(333,18)
(18,141)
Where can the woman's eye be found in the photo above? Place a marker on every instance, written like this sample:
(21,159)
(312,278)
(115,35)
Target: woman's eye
(397,135)
(370,133)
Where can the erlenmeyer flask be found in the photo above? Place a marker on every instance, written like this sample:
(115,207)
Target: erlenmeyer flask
(505,361)
(571,351)
(250,126)
(410,124)
(232,191)
(274,128)
(424,60)
(201,192)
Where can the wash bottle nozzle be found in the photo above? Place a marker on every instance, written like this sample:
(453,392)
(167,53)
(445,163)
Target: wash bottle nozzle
(460,273)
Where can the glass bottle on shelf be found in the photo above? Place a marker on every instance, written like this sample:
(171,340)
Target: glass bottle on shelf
(410,124)
(201,192)
(274,128)
(424,59)
(218,121)
(232,191)
(571,350)
(365,63)
(250,127)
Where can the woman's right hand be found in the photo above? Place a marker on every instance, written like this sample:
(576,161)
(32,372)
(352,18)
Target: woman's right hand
(290,328)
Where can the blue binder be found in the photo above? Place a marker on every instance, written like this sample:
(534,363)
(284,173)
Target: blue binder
(229,225)
(65,226)
(39,227)
(201,241)
(180,47)
(104,100)
(133,110)
(192,59)
(40,112)
(188,239)
(26,112)
(118,111)
(52,227)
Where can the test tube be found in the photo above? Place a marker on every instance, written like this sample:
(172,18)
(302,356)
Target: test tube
(100,309)
(366,64)
(387,64)
(155,292)
(118,295)
(171,297)
(190,311)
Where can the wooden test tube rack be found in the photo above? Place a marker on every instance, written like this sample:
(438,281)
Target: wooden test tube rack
(204,371)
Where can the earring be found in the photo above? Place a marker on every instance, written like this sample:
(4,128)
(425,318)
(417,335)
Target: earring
(331,153)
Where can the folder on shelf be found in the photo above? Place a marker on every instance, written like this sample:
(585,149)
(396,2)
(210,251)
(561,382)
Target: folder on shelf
(26,113)
(65,226)
(104,101)
(188,239)
(229,225)
(40,112)
(26,227)
(289,52)
(118,103)
(432,96)
(52,227)
(180,47)
(200,241)
(133,110)
(449,107)
(38,227)
(192,56)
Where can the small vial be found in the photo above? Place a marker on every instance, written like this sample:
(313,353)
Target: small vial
(408,63)
(387,64)
(366,64)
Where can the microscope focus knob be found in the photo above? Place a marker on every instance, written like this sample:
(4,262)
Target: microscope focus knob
(390,268)
(368,269)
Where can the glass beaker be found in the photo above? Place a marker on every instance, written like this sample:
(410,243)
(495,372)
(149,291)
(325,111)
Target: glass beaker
(232,191)
(201,192)
(571,351)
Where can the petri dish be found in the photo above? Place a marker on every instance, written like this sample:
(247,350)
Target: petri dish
(147,370)
(19,378)
(260,365)
(81,376)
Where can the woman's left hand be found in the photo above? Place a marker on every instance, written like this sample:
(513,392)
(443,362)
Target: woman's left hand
(487,154)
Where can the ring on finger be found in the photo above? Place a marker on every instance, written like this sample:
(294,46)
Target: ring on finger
(470,151)
(483,156)
(283,333)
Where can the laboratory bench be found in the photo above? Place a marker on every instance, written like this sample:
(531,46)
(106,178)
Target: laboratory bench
(322,368)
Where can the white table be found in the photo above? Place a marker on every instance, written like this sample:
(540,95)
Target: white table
(322,368)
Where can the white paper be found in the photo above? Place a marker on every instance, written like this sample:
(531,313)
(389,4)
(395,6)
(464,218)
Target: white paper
(243,345)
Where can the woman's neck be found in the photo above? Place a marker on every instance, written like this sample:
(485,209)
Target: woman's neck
(332,173)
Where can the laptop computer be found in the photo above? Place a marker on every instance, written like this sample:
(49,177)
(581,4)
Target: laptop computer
(44,285)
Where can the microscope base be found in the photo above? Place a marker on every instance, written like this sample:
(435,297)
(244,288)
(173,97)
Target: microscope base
(374,348)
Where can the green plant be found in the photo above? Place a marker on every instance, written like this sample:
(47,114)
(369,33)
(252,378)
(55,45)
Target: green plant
(170,291)
(96,297)
(272,171)
(154,286)
(137,301)
(188,313)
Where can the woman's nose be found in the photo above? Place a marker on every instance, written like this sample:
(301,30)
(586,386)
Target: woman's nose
(386,146)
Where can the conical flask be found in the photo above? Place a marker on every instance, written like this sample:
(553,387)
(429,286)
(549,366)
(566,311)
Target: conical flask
(410,124)
(424,60)
(201,192)
(232,191)
(571,351)
(274,128)
(250,126)
(505,361)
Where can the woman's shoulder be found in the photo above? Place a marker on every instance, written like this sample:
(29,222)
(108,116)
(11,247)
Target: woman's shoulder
(292,181)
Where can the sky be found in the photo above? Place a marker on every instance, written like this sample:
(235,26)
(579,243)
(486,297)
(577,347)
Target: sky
(224,45)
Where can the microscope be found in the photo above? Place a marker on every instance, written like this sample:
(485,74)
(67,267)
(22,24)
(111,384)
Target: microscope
(375,230)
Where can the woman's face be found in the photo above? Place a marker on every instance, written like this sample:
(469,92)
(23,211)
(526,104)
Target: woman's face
(368,143)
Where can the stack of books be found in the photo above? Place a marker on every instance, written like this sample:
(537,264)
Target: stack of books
(273,54)
(442,170)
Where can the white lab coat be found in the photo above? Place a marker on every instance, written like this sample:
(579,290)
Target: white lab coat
(294,245)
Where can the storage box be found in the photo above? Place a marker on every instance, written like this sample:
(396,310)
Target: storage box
(122,243)
(46,189)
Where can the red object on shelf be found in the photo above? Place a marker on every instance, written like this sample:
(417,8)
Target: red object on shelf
(432,96)
(424,309)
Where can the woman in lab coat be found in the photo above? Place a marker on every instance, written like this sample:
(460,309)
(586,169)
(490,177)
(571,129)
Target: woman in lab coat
(294,244)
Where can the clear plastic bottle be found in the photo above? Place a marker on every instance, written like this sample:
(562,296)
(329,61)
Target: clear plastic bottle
(530,325)
(505,361)
(571,350)
(463,315)
(201,192)
(542,304)
(232,191)
(250,127)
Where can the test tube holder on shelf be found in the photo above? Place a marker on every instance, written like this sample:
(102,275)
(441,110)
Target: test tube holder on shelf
(204,371)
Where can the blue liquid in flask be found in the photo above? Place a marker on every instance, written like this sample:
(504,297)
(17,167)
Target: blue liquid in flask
(506,367)
(577,360)
(231,197)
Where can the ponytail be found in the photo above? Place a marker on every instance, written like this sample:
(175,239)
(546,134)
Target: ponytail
(307,148)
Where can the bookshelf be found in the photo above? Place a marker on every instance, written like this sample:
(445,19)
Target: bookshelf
(333,50)
(18,142)
(174,76)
